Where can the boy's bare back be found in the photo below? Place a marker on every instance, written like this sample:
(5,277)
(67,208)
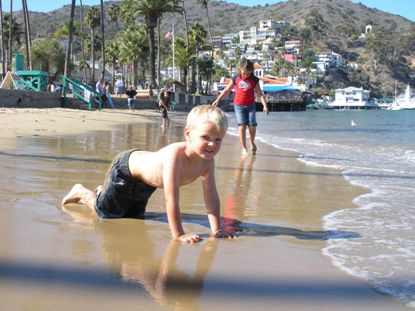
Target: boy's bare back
(175,159)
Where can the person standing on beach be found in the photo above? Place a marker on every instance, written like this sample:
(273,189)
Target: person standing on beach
(164,102)
(246,85)
(99,88)
(135,174)
(131,95)
(108,94)
(119,86)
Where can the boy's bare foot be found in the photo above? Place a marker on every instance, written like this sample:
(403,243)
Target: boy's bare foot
(253,148)
(75,195)
(245,152)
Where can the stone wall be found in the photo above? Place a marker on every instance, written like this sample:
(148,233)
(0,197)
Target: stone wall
(31,99)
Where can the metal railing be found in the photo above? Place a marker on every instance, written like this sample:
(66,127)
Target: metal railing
(81,91)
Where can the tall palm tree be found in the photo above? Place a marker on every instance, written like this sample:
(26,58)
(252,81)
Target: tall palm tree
(204,4)
(16,33)
(186,25)
(197,35)
(127,16)
(102,40)
(81,20)
(112,51)
(66,71)
(183,56)
(3,65)
(152,10)
(134,49)
(92,19)
(114,14)
(28,40)
(9,58)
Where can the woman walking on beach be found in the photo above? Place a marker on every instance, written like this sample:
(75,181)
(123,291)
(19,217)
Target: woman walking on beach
(246,85)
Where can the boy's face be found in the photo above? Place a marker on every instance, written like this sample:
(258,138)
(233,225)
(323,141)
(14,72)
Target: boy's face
(245,73)
(206,139)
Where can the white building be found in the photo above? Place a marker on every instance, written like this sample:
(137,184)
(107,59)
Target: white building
(352,98)
(292,46)
(267,29)
(325,61)
(229,37)
(270,24)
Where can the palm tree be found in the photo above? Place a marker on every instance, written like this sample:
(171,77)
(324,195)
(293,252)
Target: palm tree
(16,33)
(182,56)
(102,40)
(9,58)
(186,24)
(92,19)
(187,36)
(81,20)
(197,35)
(66,71)
(112,51)
(27,34)
(126,14)
(3,66)
(204,4)
(152,10)
(63,32)
(134,49)
(114,14)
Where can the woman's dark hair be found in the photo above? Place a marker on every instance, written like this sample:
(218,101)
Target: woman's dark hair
(165,98)
(246,64)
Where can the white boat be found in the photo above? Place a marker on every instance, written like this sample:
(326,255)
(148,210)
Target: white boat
(404,101)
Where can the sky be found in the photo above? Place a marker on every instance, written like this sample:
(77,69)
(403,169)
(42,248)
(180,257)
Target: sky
(404,8)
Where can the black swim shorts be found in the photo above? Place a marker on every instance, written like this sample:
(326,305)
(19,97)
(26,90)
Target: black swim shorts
(122,195)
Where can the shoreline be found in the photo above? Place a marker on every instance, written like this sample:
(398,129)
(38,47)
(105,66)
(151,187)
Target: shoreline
(286,248)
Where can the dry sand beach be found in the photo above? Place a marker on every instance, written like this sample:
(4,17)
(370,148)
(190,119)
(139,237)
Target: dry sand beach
(56,259)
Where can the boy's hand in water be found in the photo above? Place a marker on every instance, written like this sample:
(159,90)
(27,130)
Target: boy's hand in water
(190,238)
(223,234)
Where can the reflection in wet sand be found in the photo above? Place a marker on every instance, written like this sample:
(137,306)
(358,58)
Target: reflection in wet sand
(52,257)
(131,253)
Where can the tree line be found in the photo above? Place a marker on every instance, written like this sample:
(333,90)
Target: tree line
(137,50)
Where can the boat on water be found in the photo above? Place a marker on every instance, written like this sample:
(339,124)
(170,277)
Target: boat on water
(404,101)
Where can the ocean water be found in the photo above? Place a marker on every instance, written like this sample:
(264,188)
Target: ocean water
(374,149)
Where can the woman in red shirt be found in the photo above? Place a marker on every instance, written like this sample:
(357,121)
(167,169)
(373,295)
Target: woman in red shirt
(246,85)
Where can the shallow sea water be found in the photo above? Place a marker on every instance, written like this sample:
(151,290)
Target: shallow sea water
(375,150)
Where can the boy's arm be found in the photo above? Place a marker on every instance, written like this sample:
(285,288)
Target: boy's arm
(224,92)
(171,171)
(213,204)
(261,98)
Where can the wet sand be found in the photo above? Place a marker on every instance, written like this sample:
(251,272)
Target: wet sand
(55,259)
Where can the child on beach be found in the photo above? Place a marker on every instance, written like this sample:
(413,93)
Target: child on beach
(131,94)
(246,84)
(164,102)
(134,175)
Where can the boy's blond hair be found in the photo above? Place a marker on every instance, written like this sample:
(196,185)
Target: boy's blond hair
(207,114)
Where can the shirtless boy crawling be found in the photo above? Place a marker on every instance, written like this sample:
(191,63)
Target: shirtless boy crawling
(134,175)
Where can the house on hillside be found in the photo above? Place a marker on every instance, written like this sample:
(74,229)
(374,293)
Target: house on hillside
(268,29)
(327,60)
